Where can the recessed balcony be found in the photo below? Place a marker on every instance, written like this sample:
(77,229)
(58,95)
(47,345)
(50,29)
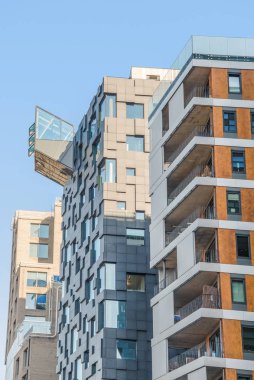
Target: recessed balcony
(196,84)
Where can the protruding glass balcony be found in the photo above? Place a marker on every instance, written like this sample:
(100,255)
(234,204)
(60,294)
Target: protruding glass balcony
(50,140)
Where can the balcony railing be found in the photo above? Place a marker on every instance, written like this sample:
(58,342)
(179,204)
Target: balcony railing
(210,300)
(203,131)
(193,354)
(165,282)
(207,213)
(209,255)
(197,91)
(199,171)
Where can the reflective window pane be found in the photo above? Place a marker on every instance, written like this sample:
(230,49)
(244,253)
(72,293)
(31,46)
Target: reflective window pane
(238,290)
(243,245)
(135,236)
(134,111)
(130,172)
(238,162)
(31,278)
(135,143)
(135,282)
(248,339)
(126,349)
(233,203)
(229,122)
(41,301)
(234,83)
(50,127)
(30,301)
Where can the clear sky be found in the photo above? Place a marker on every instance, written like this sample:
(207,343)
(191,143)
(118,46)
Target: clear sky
(54,53)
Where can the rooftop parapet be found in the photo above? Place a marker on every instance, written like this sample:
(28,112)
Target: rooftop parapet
(50,141)
(204,47)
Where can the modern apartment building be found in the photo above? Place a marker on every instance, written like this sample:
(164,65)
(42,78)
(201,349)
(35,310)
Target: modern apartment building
(202,228)
(105,324)
(35,290)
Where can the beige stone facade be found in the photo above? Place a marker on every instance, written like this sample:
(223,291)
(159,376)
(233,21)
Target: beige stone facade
(34,294)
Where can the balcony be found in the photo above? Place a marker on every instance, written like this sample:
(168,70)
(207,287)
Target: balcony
(198,92)
(196,84)
(209,300)
(205,170)
(194,353)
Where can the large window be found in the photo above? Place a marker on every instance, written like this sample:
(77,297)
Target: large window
(107,107)
(135,236)
(89,289)
(165,118)
(78,369)
(126,349)
(36,301)
(238,161)
(248,339)
(95,253)
(238,290)
(135,282)
(229,122)
(244,377)
(243,246)
(106,276)
(39,250)
(135,143)
(234,83)
(134,111)
(38,279)
(234,202)
(40,230)
(112,314)
(74,339)
(92,126)
(108,171)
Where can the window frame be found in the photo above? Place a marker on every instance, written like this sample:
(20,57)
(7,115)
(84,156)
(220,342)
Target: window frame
(135,138)
(239,280)
(234,151)
(136,275)
(134,105)
(235,74)
(240,205)
(228,126)
(249,246)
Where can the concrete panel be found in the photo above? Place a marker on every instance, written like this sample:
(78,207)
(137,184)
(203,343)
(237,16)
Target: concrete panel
(157,239)
(176,107)
(155,167)
(159,199)
(159,352)
(185,254)
(198,374)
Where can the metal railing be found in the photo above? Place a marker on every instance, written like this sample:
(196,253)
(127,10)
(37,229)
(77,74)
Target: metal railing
(208,301)
(202,131)
(207,213)
(193,354)
(197,91)
(165,282)
(209,255)
(200,171)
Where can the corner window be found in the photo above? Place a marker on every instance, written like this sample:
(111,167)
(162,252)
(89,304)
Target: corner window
(135,143)
(248,339)
(233,203)
(39,250)
(243,246)
(40,231)
(112,314)
(108,171)
(135,236)
(107,107)
(165,119)
(126,349)
(238,161)
(131,172)
(238,290)
(135,282)
(229,122)
(134,111)
(234,83)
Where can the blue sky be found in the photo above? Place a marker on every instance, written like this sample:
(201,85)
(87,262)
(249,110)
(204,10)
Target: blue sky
(54,54)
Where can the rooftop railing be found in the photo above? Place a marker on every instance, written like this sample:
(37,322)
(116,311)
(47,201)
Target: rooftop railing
(193,354)
(200,171)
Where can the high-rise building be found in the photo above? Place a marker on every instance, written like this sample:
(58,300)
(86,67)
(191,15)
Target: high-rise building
(202,228)
(105,323)
(35,290)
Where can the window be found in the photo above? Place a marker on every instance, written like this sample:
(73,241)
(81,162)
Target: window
(84,325)
(89,289)
(165,119)
(135,236)
(25,358)
(107,107)
(78,263)
(233,202)
(36,301)
(85,230)
(74,339)
(234,83)
(86,359)
(238,290)
(243,246)
(130,172)
(39,250)
(252,122)
(135,282)
(134,111)
(135,143)
(140,215)
(229,122)
(112,314)
(17,367)
(238,161)
(78,369)
(248,339)
(126,349)
(92,126)
(108,171)
(92,327)
(121,205)
(77,307)
(38,279)
(106,276)
(40,230)
(244,377)
(66,314)
(95,253)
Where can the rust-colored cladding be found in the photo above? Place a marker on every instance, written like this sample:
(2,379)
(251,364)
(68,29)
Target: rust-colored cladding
(217,122)
(249,160)
(221,204)
(232,339)
(219,83)
(243,123)
(230,374)
(225,291)
(227,246)
(249,284)
(247,203)
(247,84)
(252,246)
(222,162)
